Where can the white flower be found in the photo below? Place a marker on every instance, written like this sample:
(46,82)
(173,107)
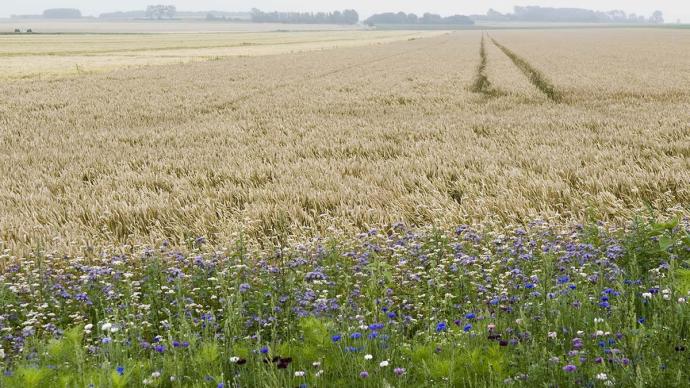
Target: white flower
(299,373)
(368,357)
(602,376)
(552,335)
(88,328)
(172,378)
(599,333)
(316,364)
(598,320)
(681,300)
(234,359)
(319,373)
(106,326)
(2,353)
(647,295)
(383,364)
(156,374)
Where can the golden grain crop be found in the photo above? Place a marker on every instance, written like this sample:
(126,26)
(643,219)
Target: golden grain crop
(51,56)
(348,138)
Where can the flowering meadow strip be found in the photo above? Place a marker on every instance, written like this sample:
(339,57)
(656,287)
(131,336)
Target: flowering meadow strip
(589,305)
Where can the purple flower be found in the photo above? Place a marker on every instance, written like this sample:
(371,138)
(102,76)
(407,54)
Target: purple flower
(160,348)
(569,368)
(364,374)
(106,340)
(399,371)
(244,287)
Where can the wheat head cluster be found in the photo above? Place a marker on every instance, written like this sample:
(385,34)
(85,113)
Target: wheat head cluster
(350,138)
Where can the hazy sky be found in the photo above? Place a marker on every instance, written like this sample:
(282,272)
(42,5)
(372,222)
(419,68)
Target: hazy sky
(673,9)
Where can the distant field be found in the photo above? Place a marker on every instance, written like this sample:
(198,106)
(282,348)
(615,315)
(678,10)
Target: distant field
(593,122)
(51,55)
(163,26)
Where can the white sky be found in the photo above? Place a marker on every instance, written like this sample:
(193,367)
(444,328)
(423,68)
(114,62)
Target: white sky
(673,9)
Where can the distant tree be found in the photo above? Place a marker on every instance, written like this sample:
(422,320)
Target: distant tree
(492,13)
(161,11)
(430,18)
(657,17)
(62,13)
(427,18)
(458,20)
(17,30)
(350,16)
(337,17)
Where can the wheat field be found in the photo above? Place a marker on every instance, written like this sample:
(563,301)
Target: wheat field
(32,56)
(350,138)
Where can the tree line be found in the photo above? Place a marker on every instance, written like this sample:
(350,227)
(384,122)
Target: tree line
(568,15)
(427,18)
(348,16)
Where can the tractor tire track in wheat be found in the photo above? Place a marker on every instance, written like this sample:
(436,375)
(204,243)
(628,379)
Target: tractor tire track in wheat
(536,77)
(481,83)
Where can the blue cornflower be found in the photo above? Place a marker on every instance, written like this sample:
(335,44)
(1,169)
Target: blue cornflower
(391,315)
(160,348)
(376,326)
(356,335)
(604,304)
(106,340)
(244,287)
(336,338)
(641,320)
(470,316)
(264,350)
(441,326)
(529,286)
(467,327)
(120,370)
(563,279)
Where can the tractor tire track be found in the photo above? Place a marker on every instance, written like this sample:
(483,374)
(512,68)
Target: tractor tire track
(481,83)
(536,77)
